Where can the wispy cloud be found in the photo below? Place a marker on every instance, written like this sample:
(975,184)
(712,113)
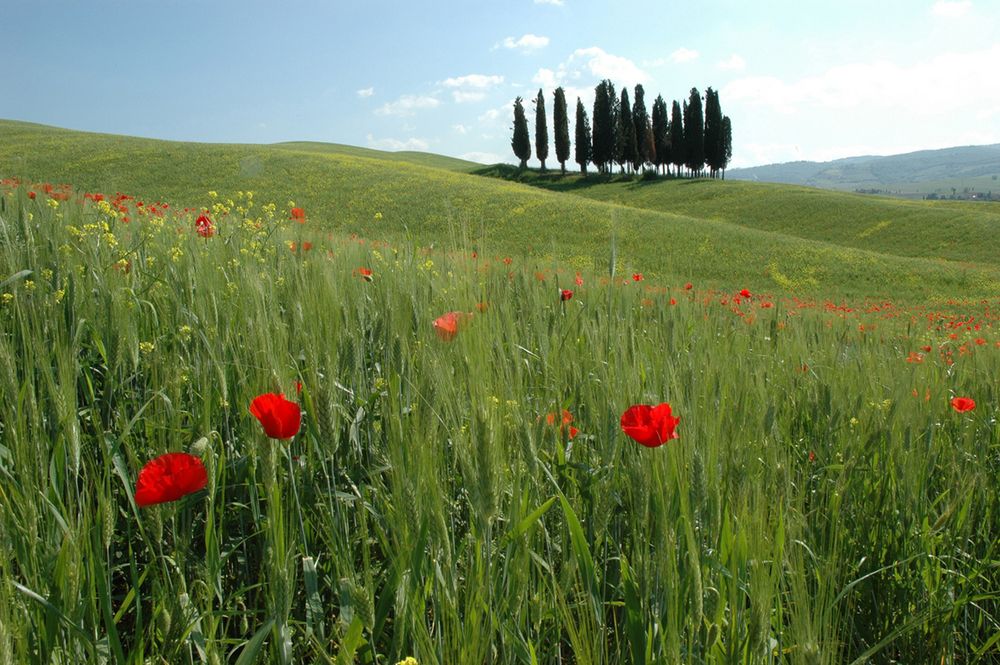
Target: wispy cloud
(475,81)
(733,63)
(679,56)
(471,87)
(396,144)
(366,92)
(683,55)
(951,8)
(408,105)
(524,43)
(600,64)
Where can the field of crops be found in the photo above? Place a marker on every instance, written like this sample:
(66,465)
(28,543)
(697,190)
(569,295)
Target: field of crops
(447,476)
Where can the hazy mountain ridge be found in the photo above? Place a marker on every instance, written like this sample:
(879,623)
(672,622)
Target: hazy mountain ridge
(921,171)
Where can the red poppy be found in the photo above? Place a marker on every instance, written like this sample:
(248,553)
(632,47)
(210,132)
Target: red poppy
(168,478)
(688,286)
(578,280)
(446,325)
(280,418)
(204,226)
(650,426)
(925,349)
(507,260)
(31,195)
(637,277)
(812,456)
(298,387)
(745,293)
(565,427)
(963,404)
(482,306)
(565,295)
(299,215)
(365,273)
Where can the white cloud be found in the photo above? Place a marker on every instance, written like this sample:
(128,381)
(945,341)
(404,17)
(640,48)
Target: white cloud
(683,55)
(951,9)
(474,81)
(366,92)
(396,144)
(947,82)
(557,3)
(582,70)
(460,128)
(734,63)
(407,105)
(483,157)
(525,43)
(462,96)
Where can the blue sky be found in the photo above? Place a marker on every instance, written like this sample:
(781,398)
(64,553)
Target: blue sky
(800,79)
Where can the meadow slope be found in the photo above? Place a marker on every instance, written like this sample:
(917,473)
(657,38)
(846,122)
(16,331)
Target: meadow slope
(965,232)
(407,203)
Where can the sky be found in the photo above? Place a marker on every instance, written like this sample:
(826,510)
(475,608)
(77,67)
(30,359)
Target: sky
(800,79)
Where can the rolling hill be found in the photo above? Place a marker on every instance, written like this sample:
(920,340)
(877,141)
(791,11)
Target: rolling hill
(689,236)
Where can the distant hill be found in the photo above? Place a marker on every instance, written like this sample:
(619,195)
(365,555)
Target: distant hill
(967,169)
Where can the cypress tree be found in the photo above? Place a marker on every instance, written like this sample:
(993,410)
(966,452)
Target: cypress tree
(582,137)
(694,133)
(521,142)
(713,132)
(727,144)
(661,133)
(604,133)
(678,149)
(541,130)
(561,127)
(627,151)
(640,118)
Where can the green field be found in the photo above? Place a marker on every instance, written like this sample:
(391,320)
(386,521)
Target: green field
(823,502)
(767,237)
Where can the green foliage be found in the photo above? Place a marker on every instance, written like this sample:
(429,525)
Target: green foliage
(661,133)
(583,140)
(645,147)
(541,130)
(678,147)
(626,148)
(520,142)
(604,119)
(694,133)
(560,118)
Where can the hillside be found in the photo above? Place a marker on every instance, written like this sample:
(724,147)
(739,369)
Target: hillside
(957,231)
(430,206)
(976,168)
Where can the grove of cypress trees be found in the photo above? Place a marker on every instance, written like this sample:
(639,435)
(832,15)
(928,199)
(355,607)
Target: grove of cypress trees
(541,130)
(560,123)
(678,149)
(521,141)
(582,155)
(694,133)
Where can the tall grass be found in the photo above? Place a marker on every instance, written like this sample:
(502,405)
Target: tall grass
(812,511)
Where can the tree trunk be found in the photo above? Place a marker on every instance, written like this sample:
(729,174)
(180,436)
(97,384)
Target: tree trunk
(562,167)
(524,164)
